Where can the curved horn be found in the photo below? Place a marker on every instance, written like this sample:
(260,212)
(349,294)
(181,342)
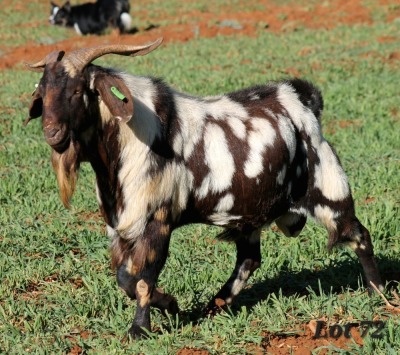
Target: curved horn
(50,58)
(80,58)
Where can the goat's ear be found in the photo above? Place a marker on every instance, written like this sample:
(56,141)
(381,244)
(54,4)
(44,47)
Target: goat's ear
(67,6)
(115,95)
(36,107)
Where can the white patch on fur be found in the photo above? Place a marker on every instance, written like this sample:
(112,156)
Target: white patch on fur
(302,116)
(225,203)
(223,218)
(177,144)
(105,113)
(126,21)
(86,100)
(243,273)
(239,283)
(202,191)
(225,108)
(135,163)
(77,29)
(301,211)
(261,136)
(53,15)
(329,175)
(219,159)
(298,171)
(280,178)
(326,216)
(193,114)
(99,201)
(140,87)
(288,135)
(146,124)
(181,192)
(144,193)
(355,246)
(238,127)
(254,97)
(111,232)
(270,113)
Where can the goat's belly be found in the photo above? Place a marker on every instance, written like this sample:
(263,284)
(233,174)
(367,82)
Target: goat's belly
(235,208)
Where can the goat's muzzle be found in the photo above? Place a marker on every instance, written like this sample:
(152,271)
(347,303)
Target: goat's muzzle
(57,137)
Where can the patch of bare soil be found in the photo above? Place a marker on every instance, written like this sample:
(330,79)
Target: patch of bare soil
(273,17)
(304,342)
(188,351)
(301,343)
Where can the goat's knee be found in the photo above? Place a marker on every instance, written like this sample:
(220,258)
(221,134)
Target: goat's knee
(126,281)
(164,302)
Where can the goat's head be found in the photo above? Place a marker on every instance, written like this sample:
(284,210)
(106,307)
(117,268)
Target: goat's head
(65,96)
(61,97)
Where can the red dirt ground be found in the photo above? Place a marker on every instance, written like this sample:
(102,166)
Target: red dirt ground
(274,18)
(304,343)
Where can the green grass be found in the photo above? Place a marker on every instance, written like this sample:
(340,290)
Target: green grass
(27,21)
(57,290)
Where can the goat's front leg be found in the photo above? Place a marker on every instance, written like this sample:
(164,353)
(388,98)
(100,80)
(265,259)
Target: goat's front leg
(357,236)
(345,228)
(139,270)
(163,301)
(248,259)
(155,251)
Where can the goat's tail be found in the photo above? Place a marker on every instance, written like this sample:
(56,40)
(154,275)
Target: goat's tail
(309,95)
(125,21)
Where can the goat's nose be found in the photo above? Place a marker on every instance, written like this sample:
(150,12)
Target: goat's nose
(51,133)
(55,135)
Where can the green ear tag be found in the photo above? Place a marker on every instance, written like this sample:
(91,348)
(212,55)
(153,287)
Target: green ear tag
(118,93)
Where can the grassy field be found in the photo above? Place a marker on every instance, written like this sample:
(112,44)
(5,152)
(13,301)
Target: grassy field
(57,291)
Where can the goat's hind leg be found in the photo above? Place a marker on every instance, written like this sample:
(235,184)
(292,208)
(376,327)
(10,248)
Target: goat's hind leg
(248,259)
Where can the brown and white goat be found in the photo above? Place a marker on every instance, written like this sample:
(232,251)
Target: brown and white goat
(163,159)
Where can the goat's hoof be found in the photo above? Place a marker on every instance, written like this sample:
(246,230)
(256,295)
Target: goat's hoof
(136,332)
(165,303)
(172,305)
(215,307)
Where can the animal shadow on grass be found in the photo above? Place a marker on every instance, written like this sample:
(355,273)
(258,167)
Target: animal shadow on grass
(135,29)
(329,280)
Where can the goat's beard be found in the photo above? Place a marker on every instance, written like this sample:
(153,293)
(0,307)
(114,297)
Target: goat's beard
(66,167)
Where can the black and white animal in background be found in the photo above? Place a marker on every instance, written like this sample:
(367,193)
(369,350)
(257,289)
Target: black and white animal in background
(92,18)
(163,159)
